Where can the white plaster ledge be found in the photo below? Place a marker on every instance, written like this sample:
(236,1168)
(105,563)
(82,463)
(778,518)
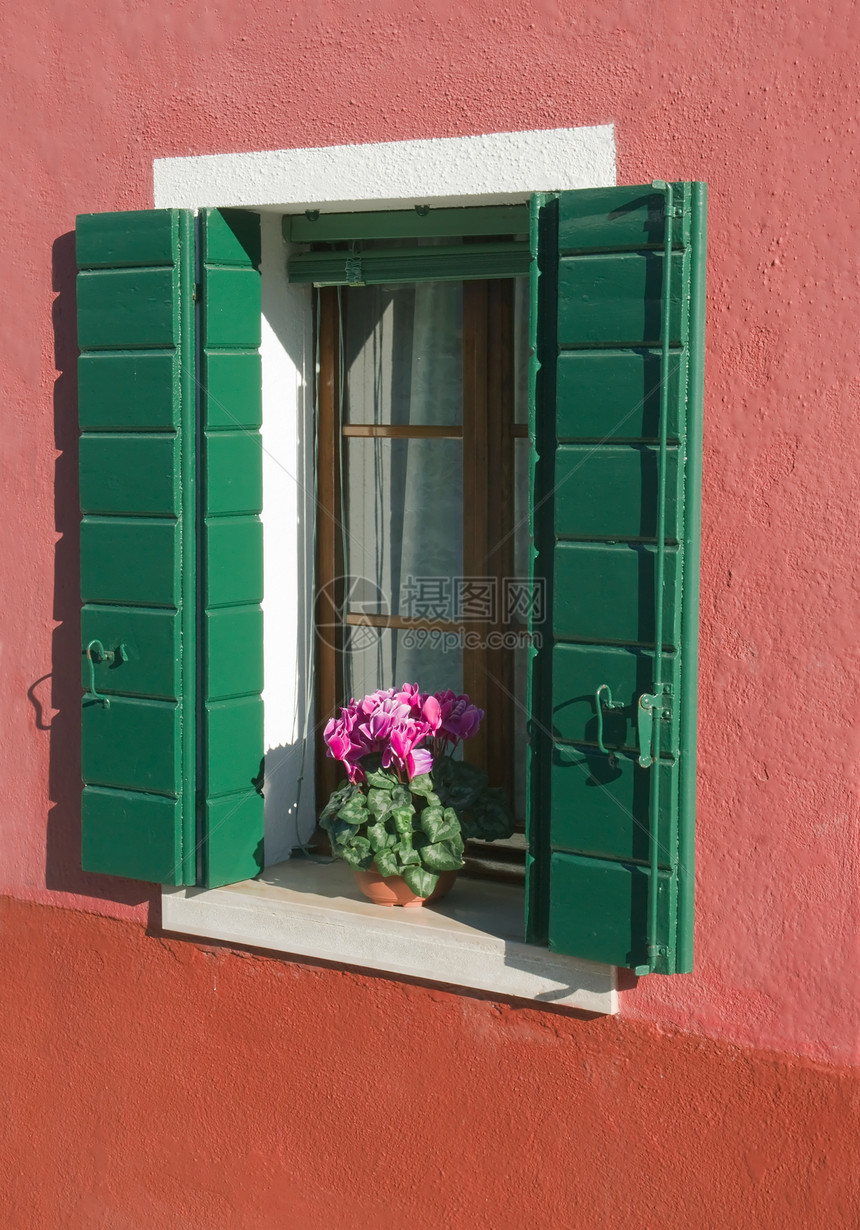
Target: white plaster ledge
(472,938)
(491,168)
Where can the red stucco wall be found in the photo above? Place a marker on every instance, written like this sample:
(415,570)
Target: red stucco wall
(161,1085)
(136,1090)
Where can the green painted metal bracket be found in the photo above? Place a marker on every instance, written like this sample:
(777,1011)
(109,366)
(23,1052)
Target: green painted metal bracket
(651,709)
(600,705)
(96,652)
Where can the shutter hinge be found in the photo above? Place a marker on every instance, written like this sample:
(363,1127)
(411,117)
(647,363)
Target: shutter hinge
(676,211)
(650,706)
(196,292)
(655,953)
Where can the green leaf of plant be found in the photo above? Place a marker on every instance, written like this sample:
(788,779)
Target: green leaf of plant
(341,833)
(440,857)
(431,820)
(401,797)
(467,784)
(359,854)
(439,824)
(378,836)
(380,779)
(491,818)
(406,853)
(354,811)
(423,784)
(379,802)
(336,801)
(420,881)
(403,817)
(387,864)
(451,827)
(459,784)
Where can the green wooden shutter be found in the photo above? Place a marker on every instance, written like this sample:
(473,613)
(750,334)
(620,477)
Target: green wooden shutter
(617,435)
(145,563)
(232,547)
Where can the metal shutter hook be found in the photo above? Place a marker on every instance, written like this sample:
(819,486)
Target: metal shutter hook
(600,705)
(96,652)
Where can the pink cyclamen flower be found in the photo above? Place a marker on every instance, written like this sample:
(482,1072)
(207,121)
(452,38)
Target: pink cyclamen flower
(395,722)
(379,721)
(460,719)
(338,743)
(431,711)
(418,762)
(403,752)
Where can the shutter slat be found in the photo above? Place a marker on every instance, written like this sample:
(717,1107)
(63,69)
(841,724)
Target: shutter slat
(121,392)
(126,309)
(585,473)
(616,300)
(134,474)
(594,841)
(132,561)
(611,395)
(151,668)
(627,672)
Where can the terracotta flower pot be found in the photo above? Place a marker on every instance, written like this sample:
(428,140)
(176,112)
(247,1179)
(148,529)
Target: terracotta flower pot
(393,890)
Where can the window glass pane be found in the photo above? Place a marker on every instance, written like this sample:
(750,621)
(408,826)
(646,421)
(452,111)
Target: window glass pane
(403,354)
(521,737)
(522,542)
(521,350)
(385,658)
(404,523)
(522,538)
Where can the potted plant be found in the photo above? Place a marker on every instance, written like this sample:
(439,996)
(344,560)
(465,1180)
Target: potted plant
(402,817)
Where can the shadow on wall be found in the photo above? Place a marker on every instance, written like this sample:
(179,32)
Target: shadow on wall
(63,872)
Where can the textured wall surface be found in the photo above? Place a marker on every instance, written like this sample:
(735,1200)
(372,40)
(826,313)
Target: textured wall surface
(762,102)
(160,1085)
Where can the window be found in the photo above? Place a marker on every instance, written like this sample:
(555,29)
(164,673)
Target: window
(422,437)
(171,551)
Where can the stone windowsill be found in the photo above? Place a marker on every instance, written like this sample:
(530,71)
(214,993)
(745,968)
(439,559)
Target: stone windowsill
(471,938)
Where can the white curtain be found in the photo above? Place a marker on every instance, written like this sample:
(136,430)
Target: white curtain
(403,361)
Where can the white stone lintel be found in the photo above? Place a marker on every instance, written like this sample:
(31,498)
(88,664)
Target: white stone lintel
(493,168)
